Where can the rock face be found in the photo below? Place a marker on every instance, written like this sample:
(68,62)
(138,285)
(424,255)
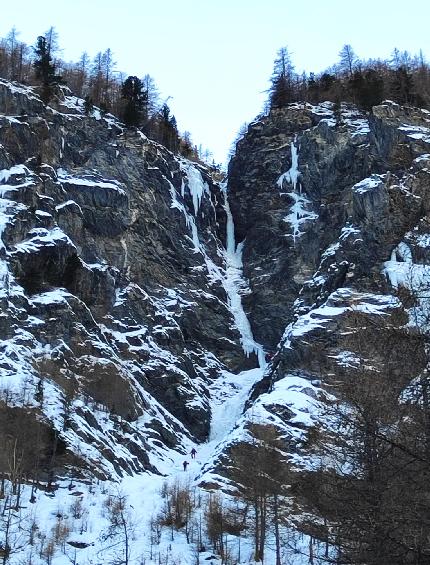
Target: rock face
(345,214)
(316,207)
(121,288)
(115,315)
(332,208)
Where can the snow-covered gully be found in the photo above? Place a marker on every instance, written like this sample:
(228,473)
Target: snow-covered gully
(84,509)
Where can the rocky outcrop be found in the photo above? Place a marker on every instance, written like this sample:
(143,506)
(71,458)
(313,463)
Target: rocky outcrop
(115,316)
(305,180)
(332,208)
(121,284)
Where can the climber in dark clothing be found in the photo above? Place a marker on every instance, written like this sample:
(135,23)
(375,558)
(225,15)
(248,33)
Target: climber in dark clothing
(269,356)
(185,464)
(193,453)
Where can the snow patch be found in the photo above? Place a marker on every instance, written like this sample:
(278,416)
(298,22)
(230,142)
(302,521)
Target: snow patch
(368,184)
(413,276)
(43,238)
(423,240)
(16,170)
(89,181)
(339,302)
(418,133)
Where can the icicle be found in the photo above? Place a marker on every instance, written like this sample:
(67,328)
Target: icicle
(294,173)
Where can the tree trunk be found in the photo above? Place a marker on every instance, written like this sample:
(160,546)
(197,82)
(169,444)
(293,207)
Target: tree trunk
(276,524)
(126,541)
(256,529)
(263,526)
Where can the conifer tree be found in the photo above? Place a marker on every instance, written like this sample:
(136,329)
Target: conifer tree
(153,94)
(135,110)
(107,68)
(82,73)
(313,88)
(282,89)
(367,88)
(168,131)
(51,37)
(12,45)
(402,85)
(96,81)
(45,69)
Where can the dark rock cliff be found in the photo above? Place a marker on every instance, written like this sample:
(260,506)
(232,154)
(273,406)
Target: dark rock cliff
(301,242)
(332,207)
(120,290)
(114,316)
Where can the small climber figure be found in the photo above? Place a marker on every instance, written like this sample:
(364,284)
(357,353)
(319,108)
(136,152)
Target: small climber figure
(193,453)
(185,464)
(269,356)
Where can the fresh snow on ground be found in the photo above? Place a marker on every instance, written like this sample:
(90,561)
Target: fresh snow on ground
(418,133)
(82,509)
(357,124)
(339,302)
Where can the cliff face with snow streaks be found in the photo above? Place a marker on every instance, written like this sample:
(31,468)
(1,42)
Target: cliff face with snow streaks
(332,206)
(116,287)
(139,298)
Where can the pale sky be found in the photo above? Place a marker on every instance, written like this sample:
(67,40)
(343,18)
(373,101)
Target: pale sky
(215,57)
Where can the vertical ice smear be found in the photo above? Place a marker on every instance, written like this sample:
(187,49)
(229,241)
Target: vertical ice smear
(298,212)
(196,185)
(7,210)
(234,285)
(215,273)
(189,220)
(124,246)
(294,172)
(232,279)
(6,207)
